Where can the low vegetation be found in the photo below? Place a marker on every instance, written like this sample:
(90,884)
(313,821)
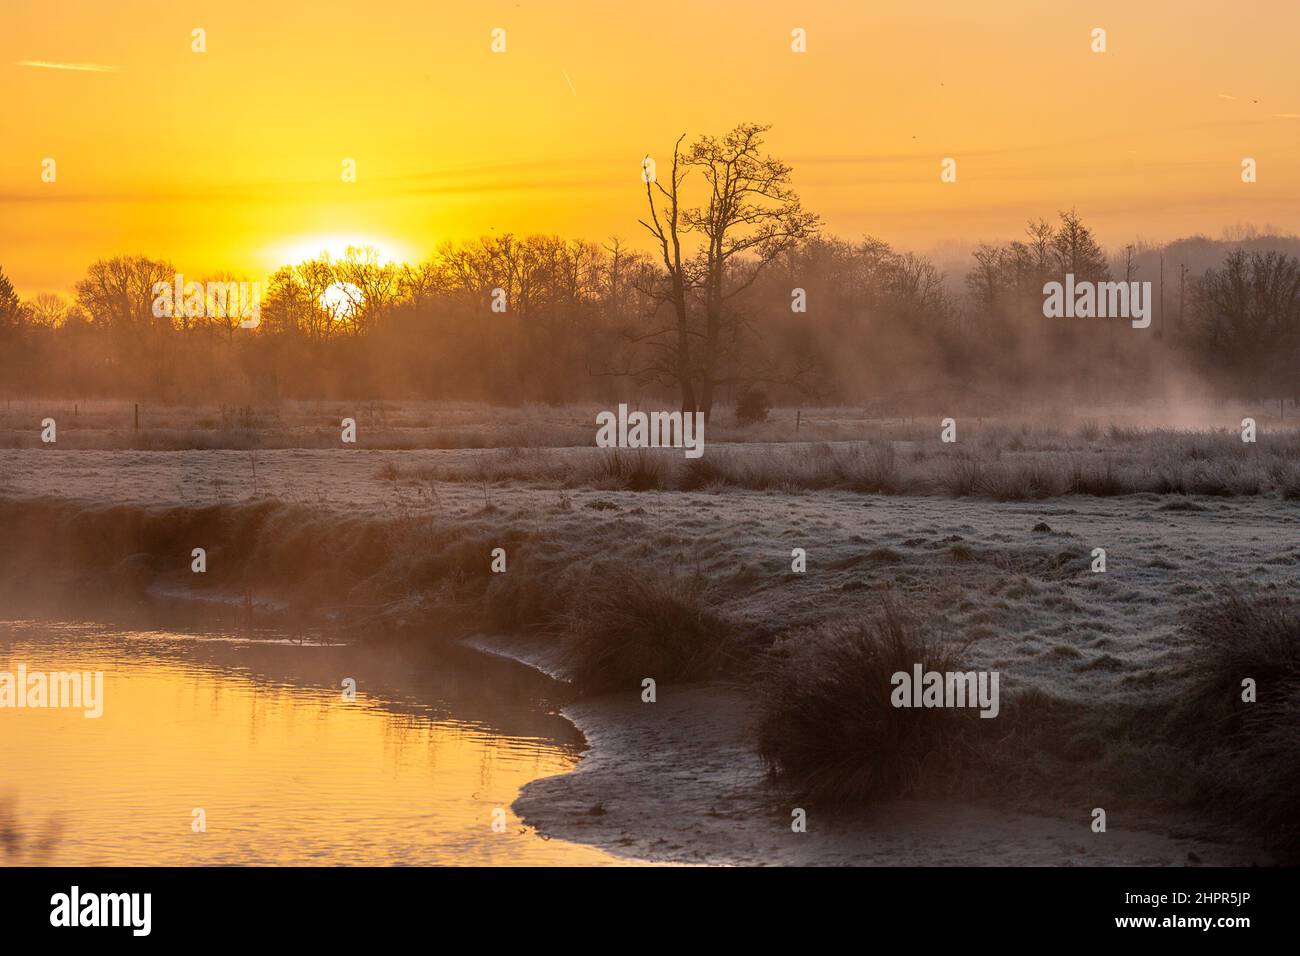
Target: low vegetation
(828,726)
(705,602)
(1002,463)
(624,625)
(1246,751)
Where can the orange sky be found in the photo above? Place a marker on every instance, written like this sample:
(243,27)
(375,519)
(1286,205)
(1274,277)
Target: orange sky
(231,159)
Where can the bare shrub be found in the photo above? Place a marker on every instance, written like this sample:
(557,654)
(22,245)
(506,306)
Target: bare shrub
(753,407)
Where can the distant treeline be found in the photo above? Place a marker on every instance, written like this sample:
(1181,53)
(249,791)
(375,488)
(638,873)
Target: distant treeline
(506,319)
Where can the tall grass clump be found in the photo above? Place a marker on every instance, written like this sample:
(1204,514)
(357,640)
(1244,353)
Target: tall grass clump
(870,469)
(1123,434)
(828,727)
(1248,753)
(1100,479)
(625,624)
(708,471)
(963,476)
(1289,485)
(632,471)
(1022,481)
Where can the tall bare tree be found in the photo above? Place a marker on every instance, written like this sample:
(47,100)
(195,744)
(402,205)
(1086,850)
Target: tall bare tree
(752,216)
(668,224)
(1248,321)
(369,283)
(47,310)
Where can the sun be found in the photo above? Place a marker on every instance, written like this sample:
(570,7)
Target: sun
(335,245)
(342,299)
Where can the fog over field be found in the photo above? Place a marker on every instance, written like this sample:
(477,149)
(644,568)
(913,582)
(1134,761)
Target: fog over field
(622,564)
(570,435)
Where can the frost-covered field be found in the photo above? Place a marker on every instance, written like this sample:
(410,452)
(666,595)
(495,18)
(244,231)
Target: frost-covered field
(1009,582)
(1025,598)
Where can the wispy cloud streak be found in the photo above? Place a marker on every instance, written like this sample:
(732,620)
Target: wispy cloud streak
(79,67)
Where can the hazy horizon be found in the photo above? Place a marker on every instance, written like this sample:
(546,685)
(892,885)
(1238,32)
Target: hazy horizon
(191,157)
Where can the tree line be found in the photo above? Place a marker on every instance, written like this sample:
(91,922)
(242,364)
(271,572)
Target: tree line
(739,290)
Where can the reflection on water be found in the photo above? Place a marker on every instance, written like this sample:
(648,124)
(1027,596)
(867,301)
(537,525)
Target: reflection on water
(259,737)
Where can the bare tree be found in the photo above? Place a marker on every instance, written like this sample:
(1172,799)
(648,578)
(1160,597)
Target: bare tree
(1077,251)
(753,215)
(118,293)
(47,310)
(668,223)
(1248,321)
(370,285)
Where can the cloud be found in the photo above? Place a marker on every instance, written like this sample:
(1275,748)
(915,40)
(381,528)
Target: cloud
(80,67)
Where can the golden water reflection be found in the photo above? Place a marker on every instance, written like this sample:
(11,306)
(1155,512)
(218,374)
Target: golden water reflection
(258,736)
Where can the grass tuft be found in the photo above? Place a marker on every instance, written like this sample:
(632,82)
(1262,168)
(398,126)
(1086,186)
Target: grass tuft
(626,624)
(1249,753)
(828,726)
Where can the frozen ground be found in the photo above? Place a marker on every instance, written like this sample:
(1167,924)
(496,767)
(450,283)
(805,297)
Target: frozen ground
(679,782)
(1026,599)
(672,781)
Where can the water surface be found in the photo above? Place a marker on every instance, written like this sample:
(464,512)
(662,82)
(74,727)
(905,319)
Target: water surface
(256,733)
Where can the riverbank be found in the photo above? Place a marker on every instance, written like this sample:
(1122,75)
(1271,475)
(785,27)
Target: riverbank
(609,587)
(680,781)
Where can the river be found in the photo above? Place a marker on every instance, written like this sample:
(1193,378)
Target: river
(221,749)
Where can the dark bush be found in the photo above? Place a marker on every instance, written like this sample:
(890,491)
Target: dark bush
(752,407)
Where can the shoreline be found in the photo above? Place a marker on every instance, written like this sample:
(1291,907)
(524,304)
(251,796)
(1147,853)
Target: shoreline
(679,781)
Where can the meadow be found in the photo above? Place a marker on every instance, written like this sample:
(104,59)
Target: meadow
(1119,688)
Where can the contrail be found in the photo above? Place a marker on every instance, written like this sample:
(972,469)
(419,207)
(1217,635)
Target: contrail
(82,67)
(570,82)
